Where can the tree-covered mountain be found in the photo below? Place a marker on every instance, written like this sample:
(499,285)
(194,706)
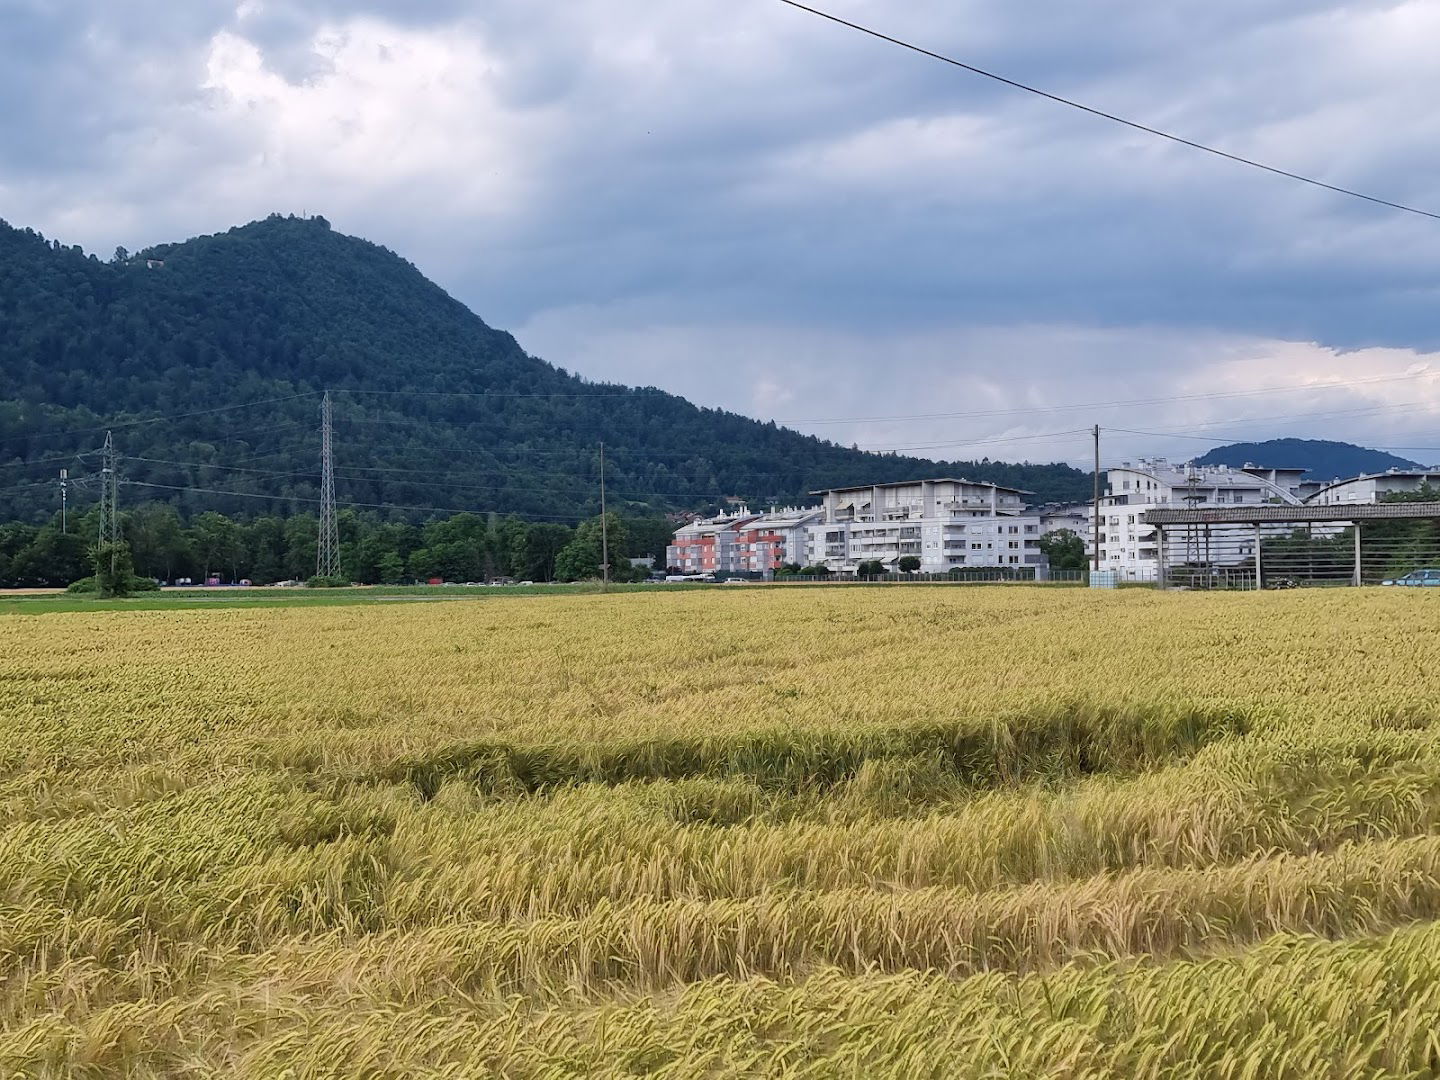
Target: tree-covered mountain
(1324,459)
(279,310)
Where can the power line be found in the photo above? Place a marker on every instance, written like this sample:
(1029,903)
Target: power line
(1290,418)
(630,392)
(580,490)
(1112,117)
(1130,402)
(1235,438)
(47,461)
(356,505)
(312,474)
(120,425)
(981,442)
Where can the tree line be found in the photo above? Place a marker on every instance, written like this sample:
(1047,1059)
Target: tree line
(464,547)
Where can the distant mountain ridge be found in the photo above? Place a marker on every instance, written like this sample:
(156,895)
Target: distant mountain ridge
(435,409)
(1324,459)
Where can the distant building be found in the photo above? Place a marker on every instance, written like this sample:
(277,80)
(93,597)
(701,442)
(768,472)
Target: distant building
(1128,546)
(742,542)
(947,523)
(707,545)
(1370,487)
(773,539)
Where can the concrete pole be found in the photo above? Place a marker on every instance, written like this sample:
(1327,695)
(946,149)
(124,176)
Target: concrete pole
(1160,570)
(1095,506)
(1359,580)
(1259,576)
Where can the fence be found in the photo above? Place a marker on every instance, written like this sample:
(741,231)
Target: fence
(974,576)
(1316,546)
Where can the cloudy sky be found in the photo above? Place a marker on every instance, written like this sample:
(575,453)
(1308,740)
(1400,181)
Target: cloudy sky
(738,202)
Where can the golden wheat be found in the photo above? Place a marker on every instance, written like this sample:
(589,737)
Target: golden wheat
(823,833)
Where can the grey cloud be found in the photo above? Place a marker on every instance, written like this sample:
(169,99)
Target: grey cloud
(690,167)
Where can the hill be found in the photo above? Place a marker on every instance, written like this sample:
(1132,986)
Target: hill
(1324,459)
(433,407)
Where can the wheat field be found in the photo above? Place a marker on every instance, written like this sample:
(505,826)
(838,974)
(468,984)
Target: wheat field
(949,832)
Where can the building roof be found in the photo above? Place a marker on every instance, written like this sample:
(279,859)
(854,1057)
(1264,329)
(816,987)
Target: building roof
(1290,515)
(776,518)
(936,480)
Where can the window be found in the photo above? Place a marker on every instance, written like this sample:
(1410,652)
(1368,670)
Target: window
(1014,543)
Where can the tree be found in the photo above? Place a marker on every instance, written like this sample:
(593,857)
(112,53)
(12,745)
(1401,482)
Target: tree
(158,542)
(908,564)
(578,560)
(870,568)
(51,559)
(390,569)
(1064,549)
(302,538)
(114,570)
(648,537)
(533,556)
(217,543)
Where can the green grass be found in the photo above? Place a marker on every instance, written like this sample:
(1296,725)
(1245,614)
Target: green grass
(182,599)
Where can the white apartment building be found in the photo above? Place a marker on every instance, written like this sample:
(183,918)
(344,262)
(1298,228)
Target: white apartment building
(946,523)
(1369,487)
(1128,545)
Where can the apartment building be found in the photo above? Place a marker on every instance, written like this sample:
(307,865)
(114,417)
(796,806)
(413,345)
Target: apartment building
(742,542)
(773,539)
(1369,487)
(708,545)
(945,523)
(1128,546)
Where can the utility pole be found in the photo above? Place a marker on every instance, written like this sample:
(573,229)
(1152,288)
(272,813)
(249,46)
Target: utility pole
(327,552)
(109,499)
(64,485)
(1095,512)
(604,529)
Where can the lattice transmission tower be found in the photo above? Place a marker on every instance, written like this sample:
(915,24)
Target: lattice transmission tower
(109,499)
(327,553)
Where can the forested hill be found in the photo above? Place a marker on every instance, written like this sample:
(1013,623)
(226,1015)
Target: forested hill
(276,311)
(1325,459)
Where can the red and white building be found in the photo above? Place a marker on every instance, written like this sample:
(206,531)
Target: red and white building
(742,542)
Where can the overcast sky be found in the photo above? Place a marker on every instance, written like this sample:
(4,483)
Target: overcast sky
(737,202)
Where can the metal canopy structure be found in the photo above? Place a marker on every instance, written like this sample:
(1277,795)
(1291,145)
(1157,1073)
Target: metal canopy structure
(1231,539)
(1285,515)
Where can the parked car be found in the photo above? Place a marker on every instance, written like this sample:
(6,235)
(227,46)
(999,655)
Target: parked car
(1417,577)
